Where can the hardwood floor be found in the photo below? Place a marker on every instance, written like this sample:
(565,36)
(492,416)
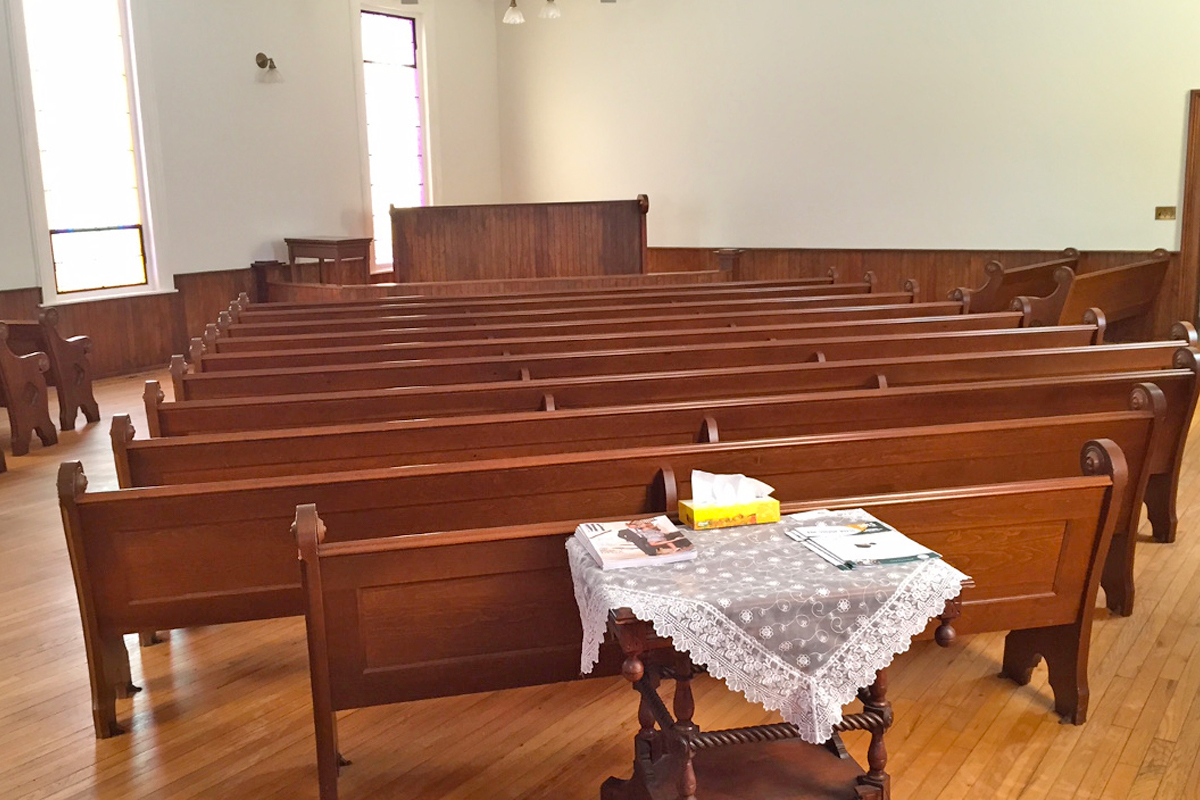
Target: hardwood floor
(226,711)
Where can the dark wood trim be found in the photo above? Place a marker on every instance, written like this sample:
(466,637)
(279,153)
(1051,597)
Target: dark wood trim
(1188,286)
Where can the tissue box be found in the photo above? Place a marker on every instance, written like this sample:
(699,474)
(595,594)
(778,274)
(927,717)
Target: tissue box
(704,517)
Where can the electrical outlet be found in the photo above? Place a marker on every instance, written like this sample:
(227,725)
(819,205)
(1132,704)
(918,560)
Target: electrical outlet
(1164,212)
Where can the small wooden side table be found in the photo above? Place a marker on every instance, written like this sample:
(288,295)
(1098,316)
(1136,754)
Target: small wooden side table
(335,249)
(673,758)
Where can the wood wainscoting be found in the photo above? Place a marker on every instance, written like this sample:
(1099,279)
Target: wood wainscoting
(937,271)
(203,295)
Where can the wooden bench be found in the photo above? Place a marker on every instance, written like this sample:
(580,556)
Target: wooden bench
(465,290)
(609,312)
(70,369)
(328,372)
(167,557)
(1121,293)
(425,606)
(273,283)
(1005,285)
(294,451)
(204,357)
(24,393)
(225,336)
(411,342)
(202,360)
(276,312)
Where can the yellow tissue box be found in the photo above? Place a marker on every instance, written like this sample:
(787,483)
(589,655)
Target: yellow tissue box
(700,518)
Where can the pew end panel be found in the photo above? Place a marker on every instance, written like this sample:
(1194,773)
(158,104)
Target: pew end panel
(1162,486)
(1047,310)
(178,369)
(153,398)
(25,394)
(1002,285)
(72,370)
(1065,647)
(108,661)
(122,434)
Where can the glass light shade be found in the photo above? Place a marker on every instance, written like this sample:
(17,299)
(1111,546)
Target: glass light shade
(513,15)
(550,10)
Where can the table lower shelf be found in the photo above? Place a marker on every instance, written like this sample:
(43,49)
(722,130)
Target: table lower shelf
(785,770)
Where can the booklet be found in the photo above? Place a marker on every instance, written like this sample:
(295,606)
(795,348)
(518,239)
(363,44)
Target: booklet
(851,538)
(635,543)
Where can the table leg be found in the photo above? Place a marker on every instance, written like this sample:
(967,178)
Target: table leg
(875,701)
(685,707)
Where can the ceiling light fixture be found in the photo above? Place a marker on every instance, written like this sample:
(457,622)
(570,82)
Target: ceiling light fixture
(513,15)
(550,10)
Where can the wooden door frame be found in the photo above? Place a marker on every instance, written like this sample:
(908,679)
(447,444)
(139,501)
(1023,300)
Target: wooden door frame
(1189,246)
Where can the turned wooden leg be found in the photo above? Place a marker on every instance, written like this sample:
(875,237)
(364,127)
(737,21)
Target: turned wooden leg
(685,707)
(1160,504)
(945,634)
(875,701)
(1065,648)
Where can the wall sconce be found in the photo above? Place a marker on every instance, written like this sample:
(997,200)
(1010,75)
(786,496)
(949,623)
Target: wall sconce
(264,62)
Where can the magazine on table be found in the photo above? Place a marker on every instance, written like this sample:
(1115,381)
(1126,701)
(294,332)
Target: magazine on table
(635,543)
(852,538)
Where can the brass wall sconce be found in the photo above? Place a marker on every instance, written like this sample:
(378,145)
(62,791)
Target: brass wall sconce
(264,62)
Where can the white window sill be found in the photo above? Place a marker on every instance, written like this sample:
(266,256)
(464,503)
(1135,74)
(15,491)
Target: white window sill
(113,294)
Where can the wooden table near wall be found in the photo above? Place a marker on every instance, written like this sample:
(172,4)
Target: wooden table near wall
(339,251)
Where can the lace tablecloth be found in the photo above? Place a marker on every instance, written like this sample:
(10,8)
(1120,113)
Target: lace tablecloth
(771,618)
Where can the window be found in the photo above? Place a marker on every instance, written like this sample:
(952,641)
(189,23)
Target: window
(395,155)
(78,67)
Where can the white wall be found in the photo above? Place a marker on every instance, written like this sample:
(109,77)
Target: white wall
(17,265)
(249,157)
(238,158)
(858,123)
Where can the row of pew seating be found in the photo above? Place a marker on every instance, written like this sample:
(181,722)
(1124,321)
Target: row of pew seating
(33,356)
(429,457)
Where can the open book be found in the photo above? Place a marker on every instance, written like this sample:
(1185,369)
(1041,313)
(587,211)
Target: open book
(851,538)
(635,543)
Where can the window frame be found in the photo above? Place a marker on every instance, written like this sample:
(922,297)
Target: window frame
(35,187)
(419,17)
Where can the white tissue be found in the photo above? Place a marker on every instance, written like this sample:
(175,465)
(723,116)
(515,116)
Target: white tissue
(726,490)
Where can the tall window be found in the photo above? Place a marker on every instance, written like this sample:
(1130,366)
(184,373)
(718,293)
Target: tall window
(78,65)
(395,155)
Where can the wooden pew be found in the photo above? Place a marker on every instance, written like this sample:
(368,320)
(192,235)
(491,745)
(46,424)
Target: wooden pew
(1005,285)
(294,451)
(274,283)
(70,369)
(226,337)
(608,312)
(427,644)
(1120,293)
(326,372)
(166,557)
(494,289)
(204,358)
(24,393)
(276,312)
(289,411)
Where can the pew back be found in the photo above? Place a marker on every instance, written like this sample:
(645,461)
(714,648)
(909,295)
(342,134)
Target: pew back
(397,346)
(289,411)
(610,312)
(1004,285)
(368,369)
(641,325)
